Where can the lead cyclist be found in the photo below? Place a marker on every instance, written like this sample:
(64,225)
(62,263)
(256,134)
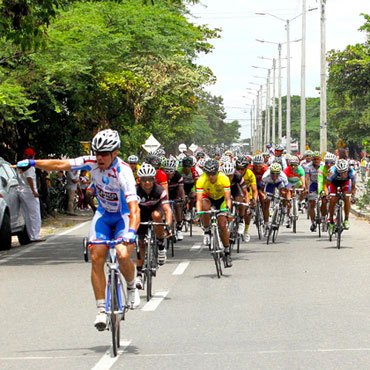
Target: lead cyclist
(117,216)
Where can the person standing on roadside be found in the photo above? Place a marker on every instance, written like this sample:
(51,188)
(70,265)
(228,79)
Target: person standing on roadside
(29,199)
(72,184)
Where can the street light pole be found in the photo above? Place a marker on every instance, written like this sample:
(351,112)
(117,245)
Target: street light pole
(288,88)
(273,101)
(303,80)
(268,108)
(280,113)
(323,118)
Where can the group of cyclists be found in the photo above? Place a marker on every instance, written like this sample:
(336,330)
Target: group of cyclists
(167,188)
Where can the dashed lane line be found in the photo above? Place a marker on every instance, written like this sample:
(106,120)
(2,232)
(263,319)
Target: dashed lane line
(180,269)
(156,300)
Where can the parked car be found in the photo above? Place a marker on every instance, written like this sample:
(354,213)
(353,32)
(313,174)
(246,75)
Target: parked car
(11,219)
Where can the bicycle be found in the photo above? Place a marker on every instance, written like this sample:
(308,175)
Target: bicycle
(188,217)
(318,219)
(216,246)
(277,218)
(235,237)
(339,222)
(294,210)
(116,291)
(258,218)
(150,266)
(173,238)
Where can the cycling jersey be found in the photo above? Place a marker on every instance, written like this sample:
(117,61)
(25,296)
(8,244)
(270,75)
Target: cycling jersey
(270,184)
(294,177)
(114,187)
(237,184)
(249,178)
(283,161)
(313,172)
(173,185)
(161,177)
(216,190)
(335,176)
(259,175)
(304,164)
(322,174)
(135,172)
(189,180)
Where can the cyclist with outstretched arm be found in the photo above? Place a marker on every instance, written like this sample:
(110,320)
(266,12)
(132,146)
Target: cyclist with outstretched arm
(117,216)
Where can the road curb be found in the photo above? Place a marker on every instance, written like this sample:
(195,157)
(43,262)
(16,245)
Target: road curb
(362,214)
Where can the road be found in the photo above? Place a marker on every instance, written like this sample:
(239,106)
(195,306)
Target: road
(297,304)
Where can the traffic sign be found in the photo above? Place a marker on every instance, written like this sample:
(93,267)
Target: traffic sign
(182,148)
(151,144)
(193,147)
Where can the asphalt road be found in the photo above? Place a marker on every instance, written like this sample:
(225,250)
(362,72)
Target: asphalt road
(297,304)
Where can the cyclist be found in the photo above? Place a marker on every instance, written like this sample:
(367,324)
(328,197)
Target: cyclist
(340,176)
(190,176)
(312,171)
(278,154)
(259,168)
(251,184)
(160,177)
(266,158)
(274,178)
(175,192)
(213,189)
(296,178)
(133,162)
(322,174)
(153,203)
(307,159)
(117,216)
(239,191)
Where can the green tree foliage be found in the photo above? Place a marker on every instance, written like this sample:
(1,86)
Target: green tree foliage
(121,64)
(349,92)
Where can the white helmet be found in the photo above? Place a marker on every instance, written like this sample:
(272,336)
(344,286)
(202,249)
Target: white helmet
(225,159)
(201,162)
(341,165)
(294,160)
(106,141)
(258,159)
(146,170)
(330,157)
(132,159)
(181,156)
(169,164)
(228,168)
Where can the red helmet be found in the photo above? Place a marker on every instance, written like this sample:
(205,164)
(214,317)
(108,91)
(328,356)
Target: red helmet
(29,152)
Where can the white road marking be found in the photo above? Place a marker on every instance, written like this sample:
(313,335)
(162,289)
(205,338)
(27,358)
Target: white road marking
(195,247)
(107,361)
(155,301)
(38,245)
(180,269)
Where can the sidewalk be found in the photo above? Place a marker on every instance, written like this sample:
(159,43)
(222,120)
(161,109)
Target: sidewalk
(60,222)
(355,209)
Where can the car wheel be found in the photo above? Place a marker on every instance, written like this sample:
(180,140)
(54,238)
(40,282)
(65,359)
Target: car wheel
(23,236)
(5,233)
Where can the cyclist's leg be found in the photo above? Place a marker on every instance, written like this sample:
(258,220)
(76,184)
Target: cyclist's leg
(346,189)
(224,232)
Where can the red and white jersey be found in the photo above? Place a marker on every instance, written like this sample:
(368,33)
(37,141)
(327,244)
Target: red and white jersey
(114,187)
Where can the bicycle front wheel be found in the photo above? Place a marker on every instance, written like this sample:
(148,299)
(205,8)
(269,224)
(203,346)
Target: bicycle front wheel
(339,226)
(148,270)
(258,217)
(114,321)
(216,254)
(295,215)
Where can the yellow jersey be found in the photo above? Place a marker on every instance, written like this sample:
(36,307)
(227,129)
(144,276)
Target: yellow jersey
(216,190)
(249,179)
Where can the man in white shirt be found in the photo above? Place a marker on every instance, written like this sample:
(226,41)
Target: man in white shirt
(29,199)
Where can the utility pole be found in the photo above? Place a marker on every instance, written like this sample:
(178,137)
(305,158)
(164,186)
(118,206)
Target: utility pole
(288,88)
(273,138)
(303,81)
(268,108)
(280,113)
(323,118)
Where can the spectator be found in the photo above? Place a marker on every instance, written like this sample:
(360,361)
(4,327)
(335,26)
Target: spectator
(29,199)
(72,184)
(84,184)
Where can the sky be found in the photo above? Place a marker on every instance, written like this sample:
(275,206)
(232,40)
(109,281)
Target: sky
(237,51)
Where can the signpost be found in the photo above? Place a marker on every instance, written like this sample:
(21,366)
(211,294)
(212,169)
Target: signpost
(151,144)
(193,147)
(182,148)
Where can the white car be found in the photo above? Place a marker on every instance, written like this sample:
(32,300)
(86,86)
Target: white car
(11,219)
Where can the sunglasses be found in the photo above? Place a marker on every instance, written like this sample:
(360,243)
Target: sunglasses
(169,171)
(103,154)
(294,165)
(211,173)
(329,162)
(240,168)
(146,179)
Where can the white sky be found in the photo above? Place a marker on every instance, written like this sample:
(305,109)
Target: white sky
(237,50)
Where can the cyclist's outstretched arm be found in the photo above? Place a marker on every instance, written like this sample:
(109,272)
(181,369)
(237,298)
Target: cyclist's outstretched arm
(53,164)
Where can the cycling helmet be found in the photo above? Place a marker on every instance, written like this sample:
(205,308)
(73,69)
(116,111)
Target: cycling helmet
(330,157)
(225,158)
(132,159)
(242,161)
(211,166)
(266,154)
(106,141)
(341,165)
(275,168)
(279,147)
(160,152)
(146,170)
(228,168)
(200,154)
(258,159)
(154,160)
(181,156)
(308,153)
(294,160)
(278,160)
(201,162)
(187,162)
(228,152)
(169,164)
(316,154)
(194,160)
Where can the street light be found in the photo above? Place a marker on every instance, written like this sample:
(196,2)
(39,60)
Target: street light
(287,27)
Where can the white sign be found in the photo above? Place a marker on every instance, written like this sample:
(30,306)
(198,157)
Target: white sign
(193,147)
(182,148)
(151,144)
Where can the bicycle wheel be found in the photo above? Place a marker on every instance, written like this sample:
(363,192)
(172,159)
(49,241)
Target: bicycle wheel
(318,217)
(148,270)
(294,215)
(114,316)
(258,220)
(339,226)
(216,254)
(272,225)
(85,247)
(191,222)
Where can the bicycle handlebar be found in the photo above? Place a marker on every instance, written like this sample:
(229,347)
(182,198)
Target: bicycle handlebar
(213,211)
(241,204)
(152,223)
(107,242)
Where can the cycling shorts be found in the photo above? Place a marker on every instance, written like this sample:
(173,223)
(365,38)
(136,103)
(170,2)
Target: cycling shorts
(145,216)
(216,203)
(270,187)
(335,184)
(108,225)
